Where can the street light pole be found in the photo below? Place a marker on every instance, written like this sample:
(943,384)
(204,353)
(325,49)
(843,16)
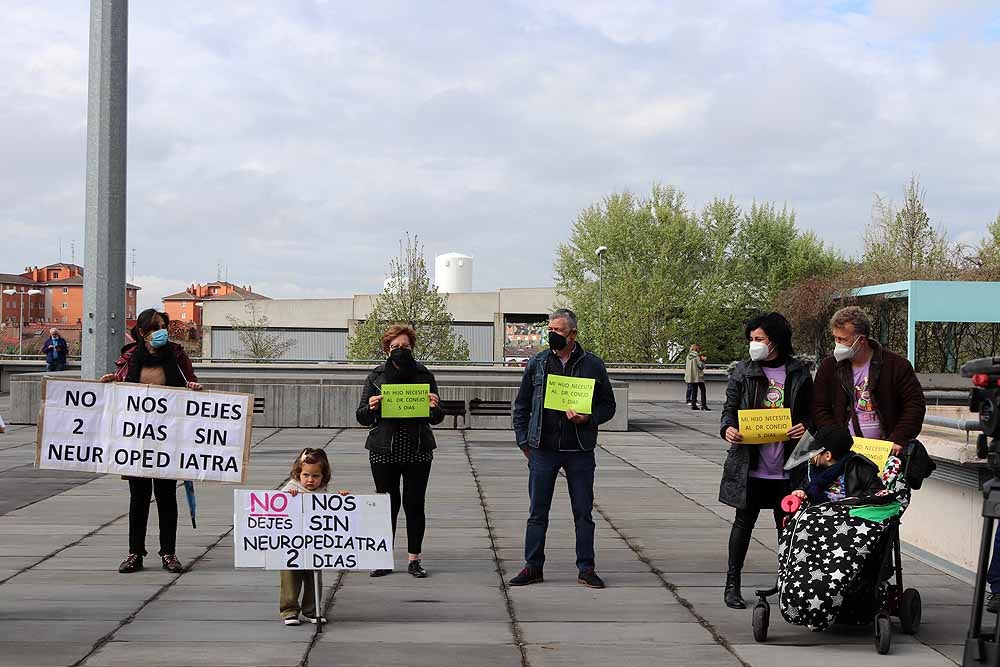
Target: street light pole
(104,248)
(600,252)
(20,319)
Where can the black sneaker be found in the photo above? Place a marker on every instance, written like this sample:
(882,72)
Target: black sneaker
(416,570)
(171,564)
(590,579)
(132,563)
(526,577)
(379,573)
(993,602)
(314,620)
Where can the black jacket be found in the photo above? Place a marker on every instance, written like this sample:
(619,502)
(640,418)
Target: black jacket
(381,431)
(745,391)
(861,478)
(529,405)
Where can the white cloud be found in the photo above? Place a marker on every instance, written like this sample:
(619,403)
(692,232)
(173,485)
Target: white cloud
(295,143)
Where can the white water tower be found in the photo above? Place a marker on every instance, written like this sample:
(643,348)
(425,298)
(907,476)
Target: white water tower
(453,272)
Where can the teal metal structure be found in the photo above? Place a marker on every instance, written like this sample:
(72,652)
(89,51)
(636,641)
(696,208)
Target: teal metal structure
(939,301)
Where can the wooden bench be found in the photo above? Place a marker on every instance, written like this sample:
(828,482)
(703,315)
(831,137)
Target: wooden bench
(454,409)
(478,406)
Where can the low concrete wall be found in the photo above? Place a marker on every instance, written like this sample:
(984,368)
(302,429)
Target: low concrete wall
(310,400)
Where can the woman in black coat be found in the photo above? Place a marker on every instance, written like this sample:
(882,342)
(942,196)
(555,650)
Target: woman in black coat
(401,448)
(753,476)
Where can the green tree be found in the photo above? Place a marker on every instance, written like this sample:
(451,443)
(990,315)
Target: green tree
(673,277)
(256,338)
(410,298)
(903,244)
(642,293)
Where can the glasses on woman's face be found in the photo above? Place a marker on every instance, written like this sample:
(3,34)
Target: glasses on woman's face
(400,346)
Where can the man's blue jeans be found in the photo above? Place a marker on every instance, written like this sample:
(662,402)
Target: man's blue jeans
(993,573)
(544,466)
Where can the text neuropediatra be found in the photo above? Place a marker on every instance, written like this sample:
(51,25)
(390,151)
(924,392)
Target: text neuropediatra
(143,431)
(311,531)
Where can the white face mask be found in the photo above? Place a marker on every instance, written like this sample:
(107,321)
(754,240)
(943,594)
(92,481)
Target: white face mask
(843,352)
(759,351)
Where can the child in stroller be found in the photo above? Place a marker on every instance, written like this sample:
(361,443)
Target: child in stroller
(840,546)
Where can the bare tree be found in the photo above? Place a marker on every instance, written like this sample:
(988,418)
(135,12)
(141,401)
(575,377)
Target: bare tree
(259,342)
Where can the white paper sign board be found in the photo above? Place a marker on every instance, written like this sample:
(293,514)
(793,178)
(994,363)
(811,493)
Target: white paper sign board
(144,430)
(311,531)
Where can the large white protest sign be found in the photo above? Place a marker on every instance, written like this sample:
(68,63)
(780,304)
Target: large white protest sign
(311,531)
(144,430)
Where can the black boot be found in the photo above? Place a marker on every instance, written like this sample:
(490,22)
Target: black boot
(733,596)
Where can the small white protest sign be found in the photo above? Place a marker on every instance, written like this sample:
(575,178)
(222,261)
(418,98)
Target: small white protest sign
(311,531)
(144,430)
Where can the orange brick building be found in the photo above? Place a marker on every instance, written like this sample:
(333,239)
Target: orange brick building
(186,306)
(61,301)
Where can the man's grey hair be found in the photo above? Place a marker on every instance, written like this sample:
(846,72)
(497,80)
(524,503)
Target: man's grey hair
(565,314)
(854,316)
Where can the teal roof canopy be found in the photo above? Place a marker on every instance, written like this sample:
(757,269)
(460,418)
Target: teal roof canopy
(939,301)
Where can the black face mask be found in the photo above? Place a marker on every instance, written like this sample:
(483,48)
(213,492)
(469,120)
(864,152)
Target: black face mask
(402,358)
(557,341)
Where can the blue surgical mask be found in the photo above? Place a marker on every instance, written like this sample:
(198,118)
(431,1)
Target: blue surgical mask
(159,338)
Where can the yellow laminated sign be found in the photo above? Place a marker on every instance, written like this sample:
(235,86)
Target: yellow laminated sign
(569,393)
(876,451)
(766,426)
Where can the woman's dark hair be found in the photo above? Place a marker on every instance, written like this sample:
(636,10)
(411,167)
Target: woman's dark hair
(777,329)
(145,321)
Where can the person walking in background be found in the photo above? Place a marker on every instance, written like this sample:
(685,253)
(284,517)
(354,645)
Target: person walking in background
(403,448)
(753,476)
(55,350)
(554,440)
(694,376)
(153,359)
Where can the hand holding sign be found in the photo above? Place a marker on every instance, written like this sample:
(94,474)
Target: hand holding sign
(767,426)
(400,401)
(566,394)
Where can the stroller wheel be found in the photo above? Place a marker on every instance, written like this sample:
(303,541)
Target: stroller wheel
(910,611)
(883,634)
(761,621)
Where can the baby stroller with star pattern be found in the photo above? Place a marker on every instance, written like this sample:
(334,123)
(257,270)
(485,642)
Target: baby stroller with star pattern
(840,563)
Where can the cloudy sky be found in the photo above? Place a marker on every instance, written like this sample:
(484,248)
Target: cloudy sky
(296,141)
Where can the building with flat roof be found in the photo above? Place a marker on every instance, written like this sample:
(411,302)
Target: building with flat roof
(506,324)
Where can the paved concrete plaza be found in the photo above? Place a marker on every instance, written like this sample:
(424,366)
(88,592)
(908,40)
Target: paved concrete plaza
(661,546)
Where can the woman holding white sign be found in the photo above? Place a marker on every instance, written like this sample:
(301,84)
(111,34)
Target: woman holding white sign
(399,404)
(753,476)
(152,359)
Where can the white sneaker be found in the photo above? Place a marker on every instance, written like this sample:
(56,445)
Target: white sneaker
(313,620)
(293,620)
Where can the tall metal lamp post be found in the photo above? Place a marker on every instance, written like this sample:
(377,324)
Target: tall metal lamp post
(20,324)
(600,252)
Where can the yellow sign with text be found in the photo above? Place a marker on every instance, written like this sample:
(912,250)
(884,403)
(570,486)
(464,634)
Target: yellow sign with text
(763,427)
(400,401)
(876,451)
(568,393)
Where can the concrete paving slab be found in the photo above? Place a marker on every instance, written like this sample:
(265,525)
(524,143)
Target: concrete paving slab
(221,654)
(330,653)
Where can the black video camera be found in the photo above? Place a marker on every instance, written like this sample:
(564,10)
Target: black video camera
(985,399)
